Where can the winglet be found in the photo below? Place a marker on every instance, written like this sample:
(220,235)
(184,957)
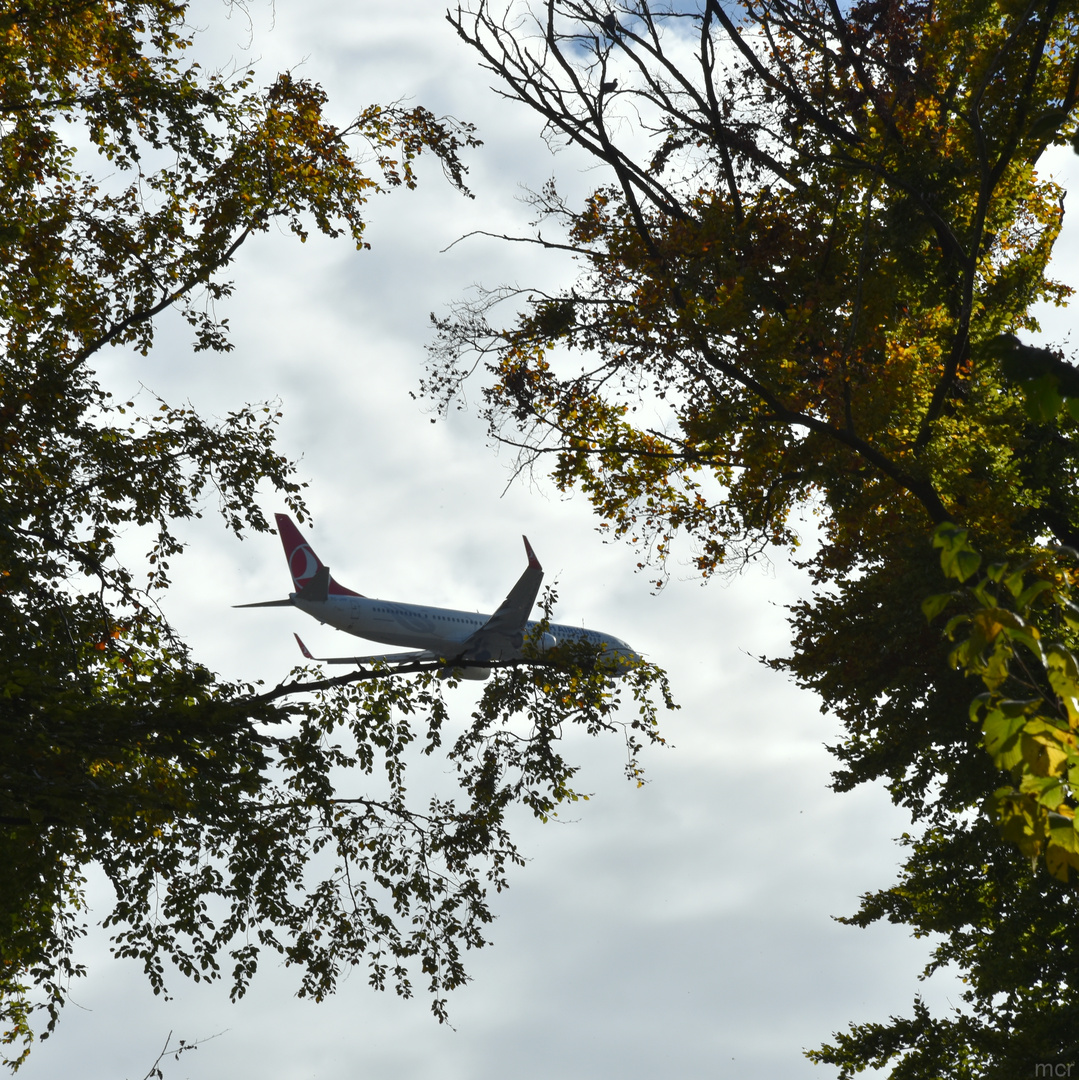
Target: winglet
(502,635)
(303,647)
(533,562)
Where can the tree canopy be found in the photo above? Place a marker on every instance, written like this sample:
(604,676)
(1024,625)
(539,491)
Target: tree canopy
(229,819)
(816,262)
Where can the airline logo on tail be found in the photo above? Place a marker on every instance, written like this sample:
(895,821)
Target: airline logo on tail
(303,563)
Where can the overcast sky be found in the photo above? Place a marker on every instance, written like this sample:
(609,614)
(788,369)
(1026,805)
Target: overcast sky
(683,929)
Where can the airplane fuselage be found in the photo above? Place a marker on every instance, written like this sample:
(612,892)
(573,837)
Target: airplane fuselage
(418,626)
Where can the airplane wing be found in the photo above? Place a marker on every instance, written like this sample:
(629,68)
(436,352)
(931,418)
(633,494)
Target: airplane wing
(389,658)
(502,635)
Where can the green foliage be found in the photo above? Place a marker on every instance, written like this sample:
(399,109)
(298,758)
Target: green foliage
(230,821)
(1031,737)
(808,292)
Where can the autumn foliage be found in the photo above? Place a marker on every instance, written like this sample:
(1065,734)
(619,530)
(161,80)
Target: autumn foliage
(231,821)
(807,289)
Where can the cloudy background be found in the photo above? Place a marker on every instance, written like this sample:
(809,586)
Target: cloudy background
(684,929)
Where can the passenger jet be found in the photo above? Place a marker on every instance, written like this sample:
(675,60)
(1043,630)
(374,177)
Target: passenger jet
(463,643)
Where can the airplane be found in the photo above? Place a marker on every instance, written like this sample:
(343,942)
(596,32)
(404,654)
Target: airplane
(463,644)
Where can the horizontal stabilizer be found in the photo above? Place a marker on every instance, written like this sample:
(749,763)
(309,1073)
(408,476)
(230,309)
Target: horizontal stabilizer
(316,589)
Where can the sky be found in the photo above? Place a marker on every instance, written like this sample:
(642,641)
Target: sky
(683,929)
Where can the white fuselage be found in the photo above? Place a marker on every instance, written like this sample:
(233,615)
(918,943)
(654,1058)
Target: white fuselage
(417,626)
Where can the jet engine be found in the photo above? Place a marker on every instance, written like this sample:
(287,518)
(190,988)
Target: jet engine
(477,674)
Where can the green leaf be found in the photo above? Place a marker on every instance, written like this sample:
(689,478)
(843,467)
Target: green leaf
(957,558)
(1062,832)
(932,606)
(1042,398)
(1025,636)
(1059,861)
(1047,791)
(1070,612)
(1061,663)
(1023,600)
(1000,729)
(1020,707)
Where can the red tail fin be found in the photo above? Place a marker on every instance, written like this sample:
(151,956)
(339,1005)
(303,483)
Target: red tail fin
(303,563)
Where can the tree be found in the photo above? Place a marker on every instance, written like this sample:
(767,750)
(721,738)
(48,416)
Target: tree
(229,819)
(823,234)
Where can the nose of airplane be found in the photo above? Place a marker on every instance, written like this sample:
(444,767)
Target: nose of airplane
(621,657)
